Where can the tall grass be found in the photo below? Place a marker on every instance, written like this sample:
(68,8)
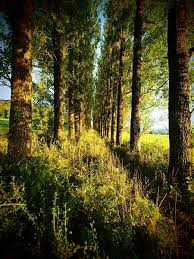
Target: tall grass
(75,199)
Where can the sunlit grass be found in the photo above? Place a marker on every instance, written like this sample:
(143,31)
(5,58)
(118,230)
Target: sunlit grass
(155,142)
(4,125)
(155,148)
(4,128)
(158,140)
(152,162)
(83,181)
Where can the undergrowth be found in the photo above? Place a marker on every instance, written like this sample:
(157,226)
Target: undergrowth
(151,164)
(75,200)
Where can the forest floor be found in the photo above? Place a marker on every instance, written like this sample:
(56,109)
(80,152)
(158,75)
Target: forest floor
(81,200)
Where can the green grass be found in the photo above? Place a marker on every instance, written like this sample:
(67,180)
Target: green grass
(81,188)
(160,140)
(154,149)
(4,125)
(151,164)
(156,140)
(79,198)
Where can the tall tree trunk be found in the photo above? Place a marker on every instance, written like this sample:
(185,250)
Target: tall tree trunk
(20,130)
(58,84)
(180,164)
(77,114)
(101,119)
(109,107)
(113,112)
(71,95)
(82,115)
(136,80)
(71,112)
(120,93)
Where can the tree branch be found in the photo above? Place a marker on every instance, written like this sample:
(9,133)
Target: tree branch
(192,111)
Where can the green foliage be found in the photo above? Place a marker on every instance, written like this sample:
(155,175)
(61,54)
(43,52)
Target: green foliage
(109,69)
(12,204)
(76,199)
(4,109)
(83,29)
(5,51)
(42,121)
(3,144)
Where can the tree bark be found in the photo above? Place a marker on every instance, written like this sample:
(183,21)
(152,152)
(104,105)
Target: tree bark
(58,84)
(113,112)
(71,113)
(180,163)
(110,106)
(76,112)
(82,114)
(20,130)
(136,80)
(107,106)
(71,96)
(120,93)
(79,105)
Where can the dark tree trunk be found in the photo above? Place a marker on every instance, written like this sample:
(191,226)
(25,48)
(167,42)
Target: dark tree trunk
(79,105)
(109,109)
(120,93)
(71,96)
(107,106)
(101,119)
(180,164)
(82,114)
(20,130)
(71,112)
(136,80)
(113,112)
(77,114)
(58,84)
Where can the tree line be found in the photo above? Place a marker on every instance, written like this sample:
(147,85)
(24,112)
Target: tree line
(112,76)
(60,38)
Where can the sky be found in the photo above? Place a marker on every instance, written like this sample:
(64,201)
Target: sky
(5,92)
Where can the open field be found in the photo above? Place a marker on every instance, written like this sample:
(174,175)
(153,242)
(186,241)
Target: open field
(157,140)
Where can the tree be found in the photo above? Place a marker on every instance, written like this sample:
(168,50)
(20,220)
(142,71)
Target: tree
(136,80)
(20,131)
(180,163)
(5,52)
(71,98)
(120,90)
(111,78)
(59,116)
(83,35)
